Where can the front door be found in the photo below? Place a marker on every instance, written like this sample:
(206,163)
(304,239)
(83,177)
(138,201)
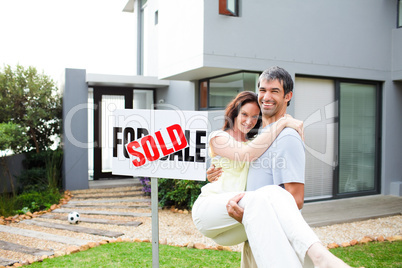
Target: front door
(106,101)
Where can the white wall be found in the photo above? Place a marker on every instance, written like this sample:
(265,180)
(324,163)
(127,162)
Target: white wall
(180,36)
(150,40)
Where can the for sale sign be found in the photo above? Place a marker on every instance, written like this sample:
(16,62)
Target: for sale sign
(160,143)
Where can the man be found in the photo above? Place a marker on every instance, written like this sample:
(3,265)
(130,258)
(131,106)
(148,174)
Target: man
(287,239)
(284,162)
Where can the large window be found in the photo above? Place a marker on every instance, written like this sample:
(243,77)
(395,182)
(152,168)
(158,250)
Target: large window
(357,137)
(342,134)
(216,93)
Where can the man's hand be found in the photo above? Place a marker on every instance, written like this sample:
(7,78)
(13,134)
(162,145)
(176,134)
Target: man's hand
(234,210)
(213,173)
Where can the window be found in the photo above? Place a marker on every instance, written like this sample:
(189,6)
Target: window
(216,93)
(357,137)
(342,134)
(229,7)
(399,13)
(156,17)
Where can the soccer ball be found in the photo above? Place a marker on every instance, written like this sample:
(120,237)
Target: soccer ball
(73,217)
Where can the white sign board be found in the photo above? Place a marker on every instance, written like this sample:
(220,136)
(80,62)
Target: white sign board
(160,143)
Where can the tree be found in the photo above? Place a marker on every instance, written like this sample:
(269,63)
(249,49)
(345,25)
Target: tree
(30,100)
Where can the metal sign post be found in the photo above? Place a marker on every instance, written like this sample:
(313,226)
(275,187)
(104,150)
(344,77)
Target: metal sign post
(155,222)
(141,138)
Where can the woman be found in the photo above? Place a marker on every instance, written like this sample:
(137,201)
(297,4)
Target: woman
(232,150)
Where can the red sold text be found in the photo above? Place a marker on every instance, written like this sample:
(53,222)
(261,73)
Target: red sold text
(145,147)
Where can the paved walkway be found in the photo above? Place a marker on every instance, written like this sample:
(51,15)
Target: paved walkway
(320,213)
(351,209)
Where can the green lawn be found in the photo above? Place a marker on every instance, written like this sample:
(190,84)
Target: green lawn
(126,254)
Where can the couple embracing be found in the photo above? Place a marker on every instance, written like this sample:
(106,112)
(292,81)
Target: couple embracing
(257,181)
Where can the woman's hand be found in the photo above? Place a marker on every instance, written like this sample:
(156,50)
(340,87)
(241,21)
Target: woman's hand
(234,210)
(294,123)
(213,173)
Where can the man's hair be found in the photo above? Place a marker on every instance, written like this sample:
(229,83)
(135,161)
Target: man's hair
(280,74)
(233,109)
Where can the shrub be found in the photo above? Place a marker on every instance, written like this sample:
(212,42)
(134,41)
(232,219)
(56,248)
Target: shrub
(7,206)
(41,171)
(146,185)
(180,193)
(36,201)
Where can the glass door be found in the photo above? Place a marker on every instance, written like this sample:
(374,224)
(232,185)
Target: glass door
(358,136)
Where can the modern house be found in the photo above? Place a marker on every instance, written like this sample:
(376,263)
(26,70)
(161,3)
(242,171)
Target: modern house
(345,58)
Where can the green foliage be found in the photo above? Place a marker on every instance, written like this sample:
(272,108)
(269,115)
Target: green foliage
(28,201)
(140,255)
(54,162)
(384,254)
(36,201)
(42,171)
(7,206)
(41,182)
(180,193)
(30,100)
(12,137)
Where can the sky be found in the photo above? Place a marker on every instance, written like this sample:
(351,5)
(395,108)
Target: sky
(52,35)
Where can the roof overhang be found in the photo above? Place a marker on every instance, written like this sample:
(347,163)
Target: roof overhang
(136,81)
(198,73)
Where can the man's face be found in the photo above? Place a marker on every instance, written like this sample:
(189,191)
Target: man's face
(272,99)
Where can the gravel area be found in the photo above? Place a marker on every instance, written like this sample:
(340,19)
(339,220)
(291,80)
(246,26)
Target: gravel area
(178,229)
(345,232)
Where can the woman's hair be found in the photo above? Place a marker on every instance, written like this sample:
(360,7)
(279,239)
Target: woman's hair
(233,109)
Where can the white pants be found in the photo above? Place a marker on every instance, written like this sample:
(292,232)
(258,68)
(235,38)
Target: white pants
(272,223)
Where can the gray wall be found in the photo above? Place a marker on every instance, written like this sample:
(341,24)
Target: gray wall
(397,54)
(75,131)
(391,140)
(337,38)
(14,164)
(179,95)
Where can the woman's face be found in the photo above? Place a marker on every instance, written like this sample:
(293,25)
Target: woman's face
(247,117)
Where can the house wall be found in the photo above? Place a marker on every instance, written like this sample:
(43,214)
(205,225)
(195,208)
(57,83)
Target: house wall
(75,131)
(150,39)
(14,165)
(338,38)
(179,95)
(344,39)
(181,36)
(391,140)
(397,54)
